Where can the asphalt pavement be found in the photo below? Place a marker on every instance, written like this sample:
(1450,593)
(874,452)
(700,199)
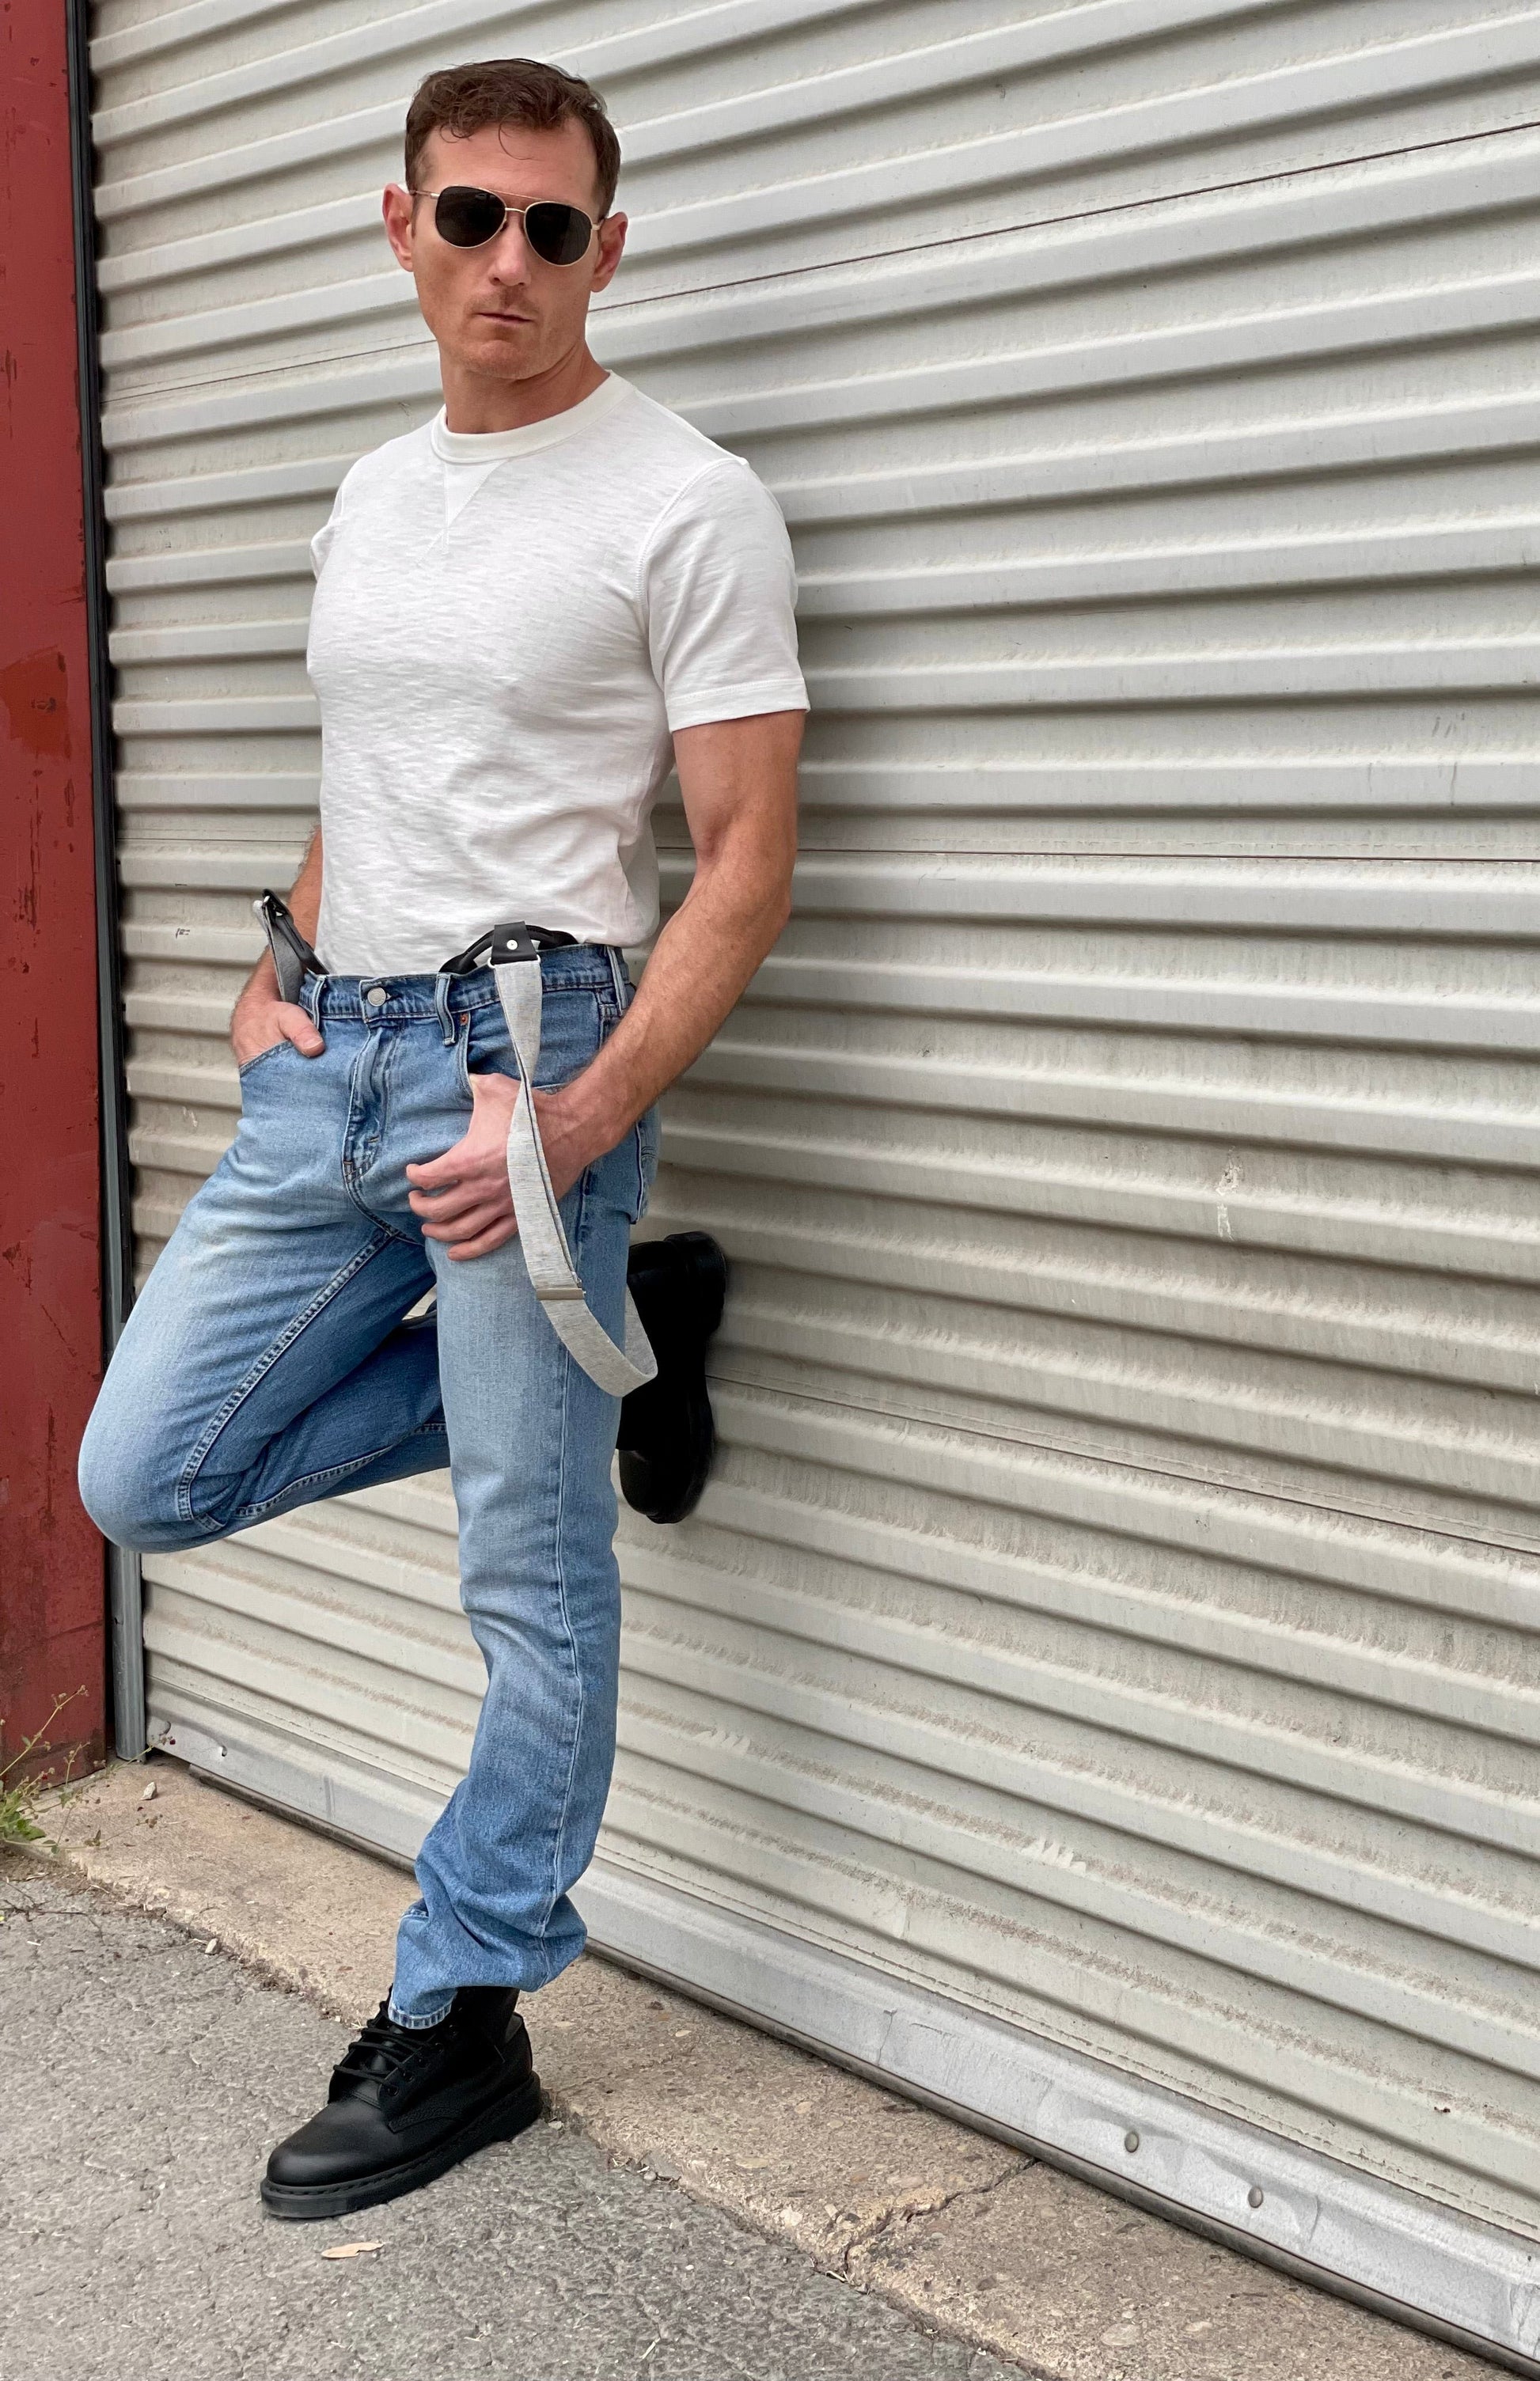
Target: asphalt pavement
(144,2079)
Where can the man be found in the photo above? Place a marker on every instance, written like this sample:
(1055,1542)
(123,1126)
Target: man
(521,609)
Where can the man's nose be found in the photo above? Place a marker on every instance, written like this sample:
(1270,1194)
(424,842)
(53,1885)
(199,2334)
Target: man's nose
(509,259)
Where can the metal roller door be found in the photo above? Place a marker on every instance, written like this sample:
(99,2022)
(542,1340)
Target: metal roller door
(1101,1686)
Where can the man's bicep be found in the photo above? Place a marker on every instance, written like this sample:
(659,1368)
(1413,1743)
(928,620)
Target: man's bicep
(738,774)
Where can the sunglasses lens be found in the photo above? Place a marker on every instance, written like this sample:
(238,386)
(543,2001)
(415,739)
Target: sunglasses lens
(466,217)
(560,233)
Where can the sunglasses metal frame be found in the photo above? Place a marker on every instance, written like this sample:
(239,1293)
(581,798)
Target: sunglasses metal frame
(592,221)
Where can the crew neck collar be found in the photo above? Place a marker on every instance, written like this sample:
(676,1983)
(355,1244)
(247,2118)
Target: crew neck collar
(493,445)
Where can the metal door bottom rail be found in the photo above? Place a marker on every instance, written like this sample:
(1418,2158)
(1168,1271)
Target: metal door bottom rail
(1385,2248)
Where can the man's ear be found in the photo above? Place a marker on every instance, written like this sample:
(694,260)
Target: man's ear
(396,208)
(612,240)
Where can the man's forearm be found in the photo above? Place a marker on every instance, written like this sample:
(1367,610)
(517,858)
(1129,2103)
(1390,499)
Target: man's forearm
(739,781)
(700,964)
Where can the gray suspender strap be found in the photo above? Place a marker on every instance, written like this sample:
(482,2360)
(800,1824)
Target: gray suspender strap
(541,1234)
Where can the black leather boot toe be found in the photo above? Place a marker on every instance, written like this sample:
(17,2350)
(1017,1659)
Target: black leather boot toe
(405,2105)
(667,1437)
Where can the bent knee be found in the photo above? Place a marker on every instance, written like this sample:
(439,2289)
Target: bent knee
(132,1498)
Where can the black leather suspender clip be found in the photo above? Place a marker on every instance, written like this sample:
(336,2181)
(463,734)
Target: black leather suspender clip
(292,956)
(495,946)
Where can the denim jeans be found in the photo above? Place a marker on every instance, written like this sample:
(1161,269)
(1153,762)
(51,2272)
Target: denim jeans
(270,1360)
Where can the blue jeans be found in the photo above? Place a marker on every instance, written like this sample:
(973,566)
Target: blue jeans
(268,1363)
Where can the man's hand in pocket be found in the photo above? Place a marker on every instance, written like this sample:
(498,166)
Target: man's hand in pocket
(260,1022)
(463,1196)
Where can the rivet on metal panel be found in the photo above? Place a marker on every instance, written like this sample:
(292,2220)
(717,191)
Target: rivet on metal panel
(1254,2196)
(1130,2142)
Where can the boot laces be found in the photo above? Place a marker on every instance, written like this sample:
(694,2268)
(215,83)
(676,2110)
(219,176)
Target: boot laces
(381,2049)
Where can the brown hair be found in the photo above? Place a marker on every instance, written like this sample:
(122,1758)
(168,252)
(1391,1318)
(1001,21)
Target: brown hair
(462,100)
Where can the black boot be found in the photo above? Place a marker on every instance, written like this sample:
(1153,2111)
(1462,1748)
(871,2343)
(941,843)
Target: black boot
(405,2104)
(667,1437)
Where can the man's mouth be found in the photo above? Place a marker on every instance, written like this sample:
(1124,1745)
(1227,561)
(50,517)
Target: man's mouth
(493,315)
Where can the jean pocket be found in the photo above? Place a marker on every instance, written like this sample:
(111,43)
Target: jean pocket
(249,1066)
(570,1034)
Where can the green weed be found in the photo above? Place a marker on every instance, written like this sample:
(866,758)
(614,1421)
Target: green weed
(18,1802)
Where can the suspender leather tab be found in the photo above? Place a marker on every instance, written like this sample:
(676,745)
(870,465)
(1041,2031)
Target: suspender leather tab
(292,957)
(498,946)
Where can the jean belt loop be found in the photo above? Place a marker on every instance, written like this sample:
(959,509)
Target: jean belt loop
(441,1002)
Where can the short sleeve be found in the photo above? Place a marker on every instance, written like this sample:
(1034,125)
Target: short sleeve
(719,592)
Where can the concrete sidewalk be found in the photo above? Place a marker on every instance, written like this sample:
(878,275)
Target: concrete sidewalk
(1003,2258)
(144,2082)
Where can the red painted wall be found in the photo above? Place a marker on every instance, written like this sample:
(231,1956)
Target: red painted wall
(52,1563)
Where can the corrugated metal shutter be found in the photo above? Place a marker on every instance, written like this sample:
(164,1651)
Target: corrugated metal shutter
(1117,1611)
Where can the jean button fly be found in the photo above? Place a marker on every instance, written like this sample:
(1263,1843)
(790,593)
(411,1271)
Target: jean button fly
(376,995)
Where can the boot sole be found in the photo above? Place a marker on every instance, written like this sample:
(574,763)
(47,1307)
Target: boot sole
(307,2203)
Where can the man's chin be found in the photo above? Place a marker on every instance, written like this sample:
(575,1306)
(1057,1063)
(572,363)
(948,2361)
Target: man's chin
(489,345)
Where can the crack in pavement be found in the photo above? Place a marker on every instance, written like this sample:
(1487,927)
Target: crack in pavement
(880,2222)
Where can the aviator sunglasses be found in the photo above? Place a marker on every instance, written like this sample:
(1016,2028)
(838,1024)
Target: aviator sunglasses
(469,218)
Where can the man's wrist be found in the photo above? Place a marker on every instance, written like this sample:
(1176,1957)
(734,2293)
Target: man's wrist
(260,984)
(598,1109)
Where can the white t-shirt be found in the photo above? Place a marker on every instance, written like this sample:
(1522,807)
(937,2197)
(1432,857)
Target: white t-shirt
(507,628)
